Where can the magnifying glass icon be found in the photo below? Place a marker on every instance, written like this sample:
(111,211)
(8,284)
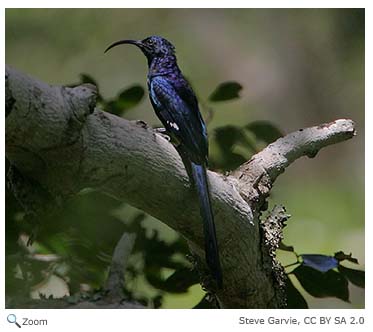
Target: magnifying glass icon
(13,319)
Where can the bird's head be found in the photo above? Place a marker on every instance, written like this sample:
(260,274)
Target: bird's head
(152,47)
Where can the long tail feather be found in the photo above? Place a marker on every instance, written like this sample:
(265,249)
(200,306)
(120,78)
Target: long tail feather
(211,245)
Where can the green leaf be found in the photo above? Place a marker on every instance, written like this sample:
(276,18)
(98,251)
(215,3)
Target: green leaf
(264,131)
(126,100)
(295,300)
(227,136)
(178,282)
(356,277)
(182,279)
(320,284)
(226,91)
(321,263)
(158,254)
(113,107)
(130,97)
(157,301)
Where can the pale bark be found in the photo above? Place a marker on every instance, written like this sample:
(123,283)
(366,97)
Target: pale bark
(56,137)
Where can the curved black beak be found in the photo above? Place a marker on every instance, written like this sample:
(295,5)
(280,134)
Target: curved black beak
(125,41)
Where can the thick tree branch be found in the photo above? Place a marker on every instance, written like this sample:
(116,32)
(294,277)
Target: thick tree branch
(56,137)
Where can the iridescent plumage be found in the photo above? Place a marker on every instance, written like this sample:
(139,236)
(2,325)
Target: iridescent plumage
(177,107)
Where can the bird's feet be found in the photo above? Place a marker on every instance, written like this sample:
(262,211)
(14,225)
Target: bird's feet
(164,133)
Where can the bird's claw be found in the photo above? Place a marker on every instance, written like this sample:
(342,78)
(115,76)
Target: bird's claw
(160,130)
(168,138)
(163,132)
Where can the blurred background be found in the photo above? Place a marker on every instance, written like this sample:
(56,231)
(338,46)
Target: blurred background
(297,68)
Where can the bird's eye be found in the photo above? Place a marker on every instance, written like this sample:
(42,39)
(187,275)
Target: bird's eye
(150,42)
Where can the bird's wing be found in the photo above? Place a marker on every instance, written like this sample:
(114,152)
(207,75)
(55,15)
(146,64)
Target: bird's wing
(180,117)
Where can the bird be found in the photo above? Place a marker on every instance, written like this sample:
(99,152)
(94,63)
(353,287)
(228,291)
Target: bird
(176,106)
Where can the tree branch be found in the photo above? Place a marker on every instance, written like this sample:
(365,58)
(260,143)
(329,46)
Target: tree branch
(115,281)
(258,174)
(56,137)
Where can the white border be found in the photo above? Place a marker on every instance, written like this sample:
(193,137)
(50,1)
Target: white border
(201,320)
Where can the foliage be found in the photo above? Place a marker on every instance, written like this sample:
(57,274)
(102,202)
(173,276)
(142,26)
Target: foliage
(124,101)
(324,276)
(226,91)
(72,246)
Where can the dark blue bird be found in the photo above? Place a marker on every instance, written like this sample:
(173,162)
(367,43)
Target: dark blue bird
(176,106)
